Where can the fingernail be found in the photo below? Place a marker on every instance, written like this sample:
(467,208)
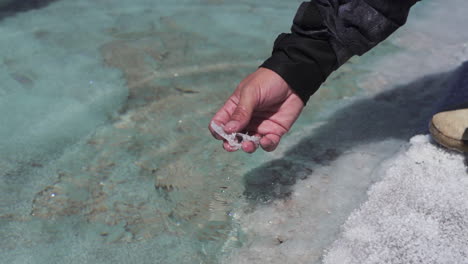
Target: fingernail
(231,126)
(268,144)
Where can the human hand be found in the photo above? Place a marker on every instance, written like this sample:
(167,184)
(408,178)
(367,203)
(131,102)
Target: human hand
(262,105)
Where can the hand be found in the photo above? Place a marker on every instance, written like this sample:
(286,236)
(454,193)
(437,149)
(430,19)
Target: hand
(264,105)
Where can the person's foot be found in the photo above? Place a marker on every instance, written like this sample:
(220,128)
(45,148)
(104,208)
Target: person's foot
(450,129)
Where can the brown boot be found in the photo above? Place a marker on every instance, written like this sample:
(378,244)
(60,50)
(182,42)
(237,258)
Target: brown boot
(450,129)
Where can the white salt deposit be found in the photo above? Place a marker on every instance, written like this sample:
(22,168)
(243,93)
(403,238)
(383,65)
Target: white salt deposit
(418,213)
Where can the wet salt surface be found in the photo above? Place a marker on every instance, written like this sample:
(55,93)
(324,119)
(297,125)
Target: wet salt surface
(108,159)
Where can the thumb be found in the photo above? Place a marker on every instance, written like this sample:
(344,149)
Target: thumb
(241,116)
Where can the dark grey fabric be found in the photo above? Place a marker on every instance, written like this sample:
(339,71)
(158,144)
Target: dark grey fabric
(356,26)
(326,33)
(304,58)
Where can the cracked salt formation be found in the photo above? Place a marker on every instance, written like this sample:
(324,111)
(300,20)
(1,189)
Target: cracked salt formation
(233,138)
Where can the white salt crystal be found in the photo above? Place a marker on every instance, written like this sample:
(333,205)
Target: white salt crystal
(232,138)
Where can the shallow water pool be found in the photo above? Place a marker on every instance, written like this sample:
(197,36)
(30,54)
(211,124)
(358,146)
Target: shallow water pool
(105,152)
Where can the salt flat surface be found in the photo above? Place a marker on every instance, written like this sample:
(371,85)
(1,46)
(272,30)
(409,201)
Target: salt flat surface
(418,212)
(415,213)
(295,229)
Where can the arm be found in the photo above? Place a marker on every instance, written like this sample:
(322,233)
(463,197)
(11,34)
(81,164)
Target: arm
(324,35)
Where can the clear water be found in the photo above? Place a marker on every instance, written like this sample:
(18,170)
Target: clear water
(105,156)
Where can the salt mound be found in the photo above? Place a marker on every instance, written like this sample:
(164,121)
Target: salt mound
(418,213)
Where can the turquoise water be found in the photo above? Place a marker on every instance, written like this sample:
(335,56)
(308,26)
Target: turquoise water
(105,156)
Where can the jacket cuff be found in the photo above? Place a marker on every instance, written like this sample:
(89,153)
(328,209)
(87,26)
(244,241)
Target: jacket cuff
(305,57)
(304,71)
(303,78)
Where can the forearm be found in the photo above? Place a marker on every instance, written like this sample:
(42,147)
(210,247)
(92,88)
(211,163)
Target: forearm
(326,33)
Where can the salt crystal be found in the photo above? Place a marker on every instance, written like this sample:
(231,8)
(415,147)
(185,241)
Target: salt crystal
(232,138)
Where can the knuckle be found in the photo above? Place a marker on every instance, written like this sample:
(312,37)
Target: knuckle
(240,113)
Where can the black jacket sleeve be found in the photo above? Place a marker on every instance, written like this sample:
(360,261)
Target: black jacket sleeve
(326,33)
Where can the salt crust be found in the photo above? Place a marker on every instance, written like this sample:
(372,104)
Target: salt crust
(297,229)
(232,139)
(418,213)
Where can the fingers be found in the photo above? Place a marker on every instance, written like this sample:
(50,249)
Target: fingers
(242,114)
(269,142)
(223,116)
(247,146)
(213,133)
(228,147)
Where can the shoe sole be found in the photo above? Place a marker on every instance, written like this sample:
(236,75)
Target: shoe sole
(454,144)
